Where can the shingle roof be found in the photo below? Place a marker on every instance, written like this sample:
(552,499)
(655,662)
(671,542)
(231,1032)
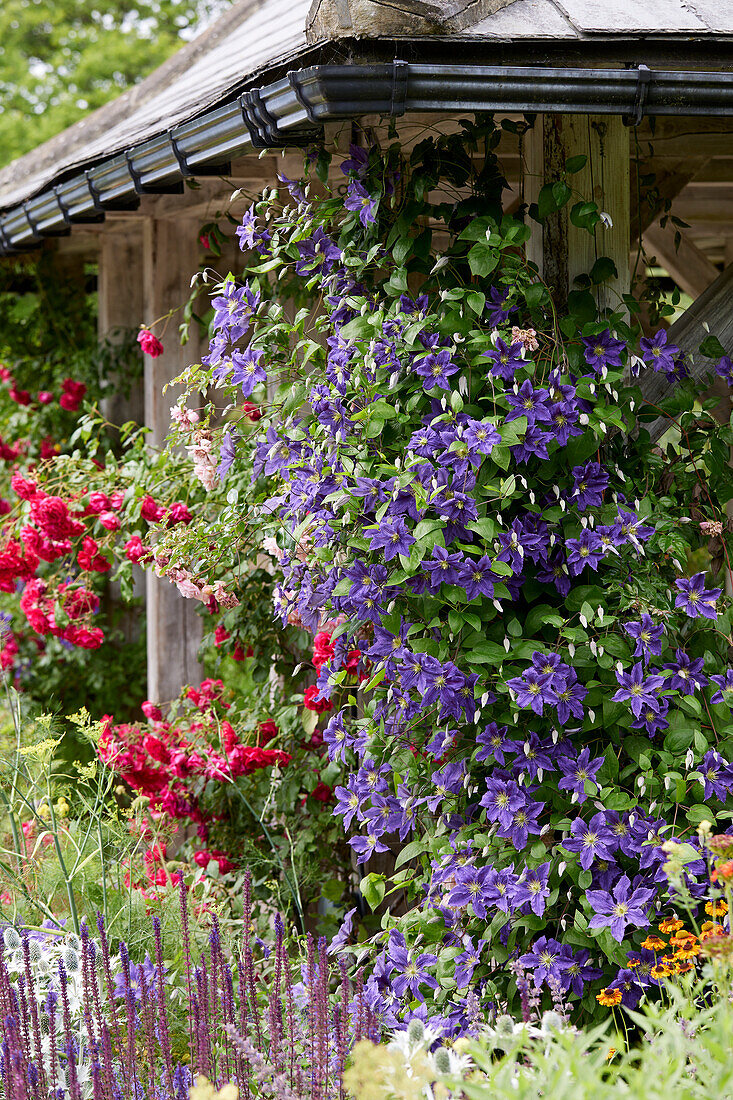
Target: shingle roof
(268,36)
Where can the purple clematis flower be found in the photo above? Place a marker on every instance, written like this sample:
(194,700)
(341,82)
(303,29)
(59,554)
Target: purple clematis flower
(602,351)
(532,888)
(435,369)
(360,201)
(577,772)
(546,959)
(647,635)
(695,599)
(585,550)
(591,839)
(391,537)
(532,689)
(657,353)
(637,691)
(590,483)
(687,674)
(724,684)
(505,359)
(408,971)
(717,775)
(620,907)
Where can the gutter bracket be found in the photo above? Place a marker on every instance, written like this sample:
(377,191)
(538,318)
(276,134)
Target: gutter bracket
(63,231)
(61,206)
(222,169)
(643,80)
(7,246)
(175,188)
(263,129)
(400,72)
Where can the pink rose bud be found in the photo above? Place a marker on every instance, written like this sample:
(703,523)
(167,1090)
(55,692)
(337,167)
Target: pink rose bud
(109,521)
(152,712)
(116,500)
(44,398)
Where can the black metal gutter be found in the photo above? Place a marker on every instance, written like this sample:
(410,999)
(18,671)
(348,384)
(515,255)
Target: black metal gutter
(291,112)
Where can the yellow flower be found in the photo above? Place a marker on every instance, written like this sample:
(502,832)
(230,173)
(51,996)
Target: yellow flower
(654,943)
(716,908)
(609,997)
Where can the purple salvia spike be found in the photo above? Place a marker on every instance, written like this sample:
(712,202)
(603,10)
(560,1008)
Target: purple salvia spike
(87,970)
(111,1006)
(130,1014)
(35,1020)
(187,955)
(253,1003)
(202,988)
(323,1016)
(97,1084)
(313,1002)
(148,1026)
(359,1029)
(107,1062)
(163,1028)
(292,1022)
(54,1074)
(343,1025)
(23,1016)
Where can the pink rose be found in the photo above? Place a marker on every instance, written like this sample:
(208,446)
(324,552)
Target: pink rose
(109,521)
(150,344)
(44,398)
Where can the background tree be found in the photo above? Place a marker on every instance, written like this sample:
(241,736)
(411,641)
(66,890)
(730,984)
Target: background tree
(61,59)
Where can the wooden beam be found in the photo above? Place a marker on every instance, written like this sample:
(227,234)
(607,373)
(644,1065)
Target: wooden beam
(670,179)
(685,262)
(560,249)
(714,309)
(171,253)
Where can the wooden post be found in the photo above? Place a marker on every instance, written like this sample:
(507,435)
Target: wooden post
(170,257)
(120,309)
(120,292)
(560,249)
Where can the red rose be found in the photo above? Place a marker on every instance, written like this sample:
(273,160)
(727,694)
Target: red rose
(322,793)
(178,513)
(151,511)
(21,397)
(221,634)
(116,500)
(98,503)
(135,551)
(27,490)
(109,521)
(84,637)
(49,449)
(72,396)
(44,397)
(251,411)
(320,706)
(150,344)
(266,731)
(4,507)
(151,711)
(204,239)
